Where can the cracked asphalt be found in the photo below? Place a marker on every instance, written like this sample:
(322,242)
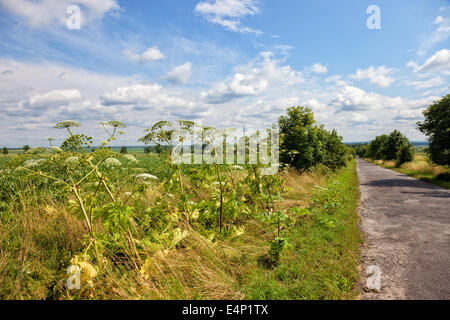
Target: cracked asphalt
(406,223)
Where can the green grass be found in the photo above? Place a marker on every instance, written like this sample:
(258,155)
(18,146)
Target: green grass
(39,236)
(322,260)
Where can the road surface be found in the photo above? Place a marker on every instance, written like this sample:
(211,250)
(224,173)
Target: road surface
(406,223)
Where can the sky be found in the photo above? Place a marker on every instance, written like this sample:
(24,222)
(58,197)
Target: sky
(224,63)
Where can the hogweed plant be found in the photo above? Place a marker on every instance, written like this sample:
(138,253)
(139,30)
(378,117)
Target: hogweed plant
(132,213)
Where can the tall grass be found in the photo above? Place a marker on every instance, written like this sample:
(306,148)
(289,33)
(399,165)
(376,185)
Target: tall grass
(40,235)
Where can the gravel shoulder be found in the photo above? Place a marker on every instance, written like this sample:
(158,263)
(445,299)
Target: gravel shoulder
(406,224)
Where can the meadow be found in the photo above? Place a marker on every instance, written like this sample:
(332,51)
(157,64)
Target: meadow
(420,168)
(78,224)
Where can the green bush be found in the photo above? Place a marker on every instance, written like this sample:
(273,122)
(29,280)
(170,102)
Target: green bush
(305,145)
(404,154)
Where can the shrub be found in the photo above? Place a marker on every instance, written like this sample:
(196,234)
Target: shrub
(445,176)
(405,154)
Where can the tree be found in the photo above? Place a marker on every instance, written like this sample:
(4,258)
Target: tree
(294,145)
(5,151)
(147,149)
(26,148)
(393,144)
(123,150)
(304,144)
(437,127)
(404,154)
(376,147)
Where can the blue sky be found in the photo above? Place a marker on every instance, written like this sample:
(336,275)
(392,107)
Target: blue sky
(227,63)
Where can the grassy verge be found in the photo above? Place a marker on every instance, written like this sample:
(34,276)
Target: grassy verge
(419,168)
(322,258)
(39,238)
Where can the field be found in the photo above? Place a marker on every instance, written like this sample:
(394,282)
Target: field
(144,228)
(419,168)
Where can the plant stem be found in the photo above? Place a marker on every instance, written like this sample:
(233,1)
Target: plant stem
(80,202)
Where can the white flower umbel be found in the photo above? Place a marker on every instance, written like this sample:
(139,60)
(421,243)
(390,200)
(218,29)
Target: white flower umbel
(71,160)
(112,162)
(55,149)
(236,167)
(146,177)
(32,163)
(130,157)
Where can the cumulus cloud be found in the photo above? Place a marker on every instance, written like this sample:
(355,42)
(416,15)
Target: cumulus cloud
(151,54)
(440,61)
(54,98)
(253,79)
(47,12)
(378,76)
(239,85)
(144,97)
(180,74)
(229,13)
(351,98)
(6,72)
(409,114)
(318,68)
(254,94)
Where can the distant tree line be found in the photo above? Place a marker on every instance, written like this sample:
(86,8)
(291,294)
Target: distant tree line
(394,146)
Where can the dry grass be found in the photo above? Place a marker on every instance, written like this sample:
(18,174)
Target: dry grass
(36,244)
(299,187)
(420,168)
(419,164)
(197,270)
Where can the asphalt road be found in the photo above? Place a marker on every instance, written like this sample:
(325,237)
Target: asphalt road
(407,234)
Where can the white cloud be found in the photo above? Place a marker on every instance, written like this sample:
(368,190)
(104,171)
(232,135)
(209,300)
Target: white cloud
(228,13)
(354,99)
(318,68)
(154,97)
(440,61)
(440,34)
(409,114)
(37,95)
(239,85)
(136,94)
(424,84)
(48,12)
(54,98)
(253,79)
(151,54)
(333,78)
(378,76)
(180,74)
